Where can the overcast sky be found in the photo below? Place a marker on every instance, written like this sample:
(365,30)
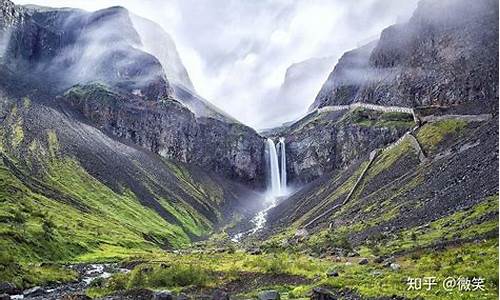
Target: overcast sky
(237,51)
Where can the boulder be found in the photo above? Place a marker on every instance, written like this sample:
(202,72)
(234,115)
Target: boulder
(363,261)
(332,273)
(8,288)
(395,266)
(219,294)
(183,296)
(255,251)
(34,292)
(322,294)
(76,297)
(4,297)
(163,295)
(269,295)
(352,254)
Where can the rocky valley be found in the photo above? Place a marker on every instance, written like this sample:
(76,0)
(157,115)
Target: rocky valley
(119,181)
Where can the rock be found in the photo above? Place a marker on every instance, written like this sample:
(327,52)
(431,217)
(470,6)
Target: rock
(376,273)
(76,297)
(364,261)
(8,288)
(301,233)
(322,294)
(353,254)
(469,26)
(163,295)
(269,295)
(4,297)
(34,292)
(255,251)
(219,294)
(332,273)
(379,259)
(182,296)
(395,266)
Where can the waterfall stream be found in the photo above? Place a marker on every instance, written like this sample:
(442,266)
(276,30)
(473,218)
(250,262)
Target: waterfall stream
(274,171)
(277,182)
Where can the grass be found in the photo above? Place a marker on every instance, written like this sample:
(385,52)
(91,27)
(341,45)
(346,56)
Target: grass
(83,220)
(372,118)
(212,270)
(432,134)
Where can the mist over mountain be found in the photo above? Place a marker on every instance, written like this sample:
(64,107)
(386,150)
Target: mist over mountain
(302,81)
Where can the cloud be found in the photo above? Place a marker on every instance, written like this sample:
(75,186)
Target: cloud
(237,52)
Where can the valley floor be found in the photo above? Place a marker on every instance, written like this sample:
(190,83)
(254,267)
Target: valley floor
(211,274)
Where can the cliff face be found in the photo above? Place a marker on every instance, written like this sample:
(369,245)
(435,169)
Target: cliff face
(446,54)
(171,130)
(322,142)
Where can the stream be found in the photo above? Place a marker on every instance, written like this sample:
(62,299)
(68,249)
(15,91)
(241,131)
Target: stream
(87,274)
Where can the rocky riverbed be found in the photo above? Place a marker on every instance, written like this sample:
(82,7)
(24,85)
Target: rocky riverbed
(71,290)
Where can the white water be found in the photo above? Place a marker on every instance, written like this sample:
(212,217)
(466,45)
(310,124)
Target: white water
(276,186)
(283,165)
(274,169)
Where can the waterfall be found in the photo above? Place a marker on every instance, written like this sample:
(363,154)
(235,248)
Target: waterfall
(283,165)
(274,169)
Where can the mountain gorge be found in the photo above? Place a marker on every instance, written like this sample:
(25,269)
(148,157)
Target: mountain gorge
(119,181)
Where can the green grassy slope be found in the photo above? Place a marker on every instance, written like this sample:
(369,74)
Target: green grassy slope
(54,210)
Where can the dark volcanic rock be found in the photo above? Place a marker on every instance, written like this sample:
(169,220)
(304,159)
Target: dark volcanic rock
(269,295)
(447,54)
(319,293)
(171,130)
(8,288)
(320,143)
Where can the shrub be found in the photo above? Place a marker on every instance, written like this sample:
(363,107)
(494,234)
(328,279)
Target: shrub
(97,283)
(137,278)
(117,282)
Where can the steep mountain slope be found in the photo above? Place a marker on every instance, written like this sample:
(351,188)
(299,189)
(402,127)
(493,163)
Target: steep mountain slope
(324,141)
(78,178)
(446,54)
(399,192)
(200,106)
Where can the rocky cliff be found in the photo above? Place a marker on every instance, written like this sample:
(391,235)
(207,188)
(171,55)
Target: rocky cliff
(172,130)
(324,141)
(446,54)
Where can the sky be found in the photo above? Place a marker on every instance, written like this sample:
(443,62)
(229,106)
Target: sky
(237,51)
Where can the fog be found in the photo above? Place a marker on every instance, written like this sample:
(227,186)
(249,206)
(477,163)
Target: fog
(237,52)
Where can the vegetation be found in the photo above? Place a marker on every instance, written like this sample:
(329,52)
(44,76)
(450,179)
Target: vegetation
(432,134)
(372,118)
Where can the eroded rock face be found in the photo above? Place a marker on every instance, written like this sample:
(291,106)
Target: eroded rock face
(323,142)
(447,54)
(172,130)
